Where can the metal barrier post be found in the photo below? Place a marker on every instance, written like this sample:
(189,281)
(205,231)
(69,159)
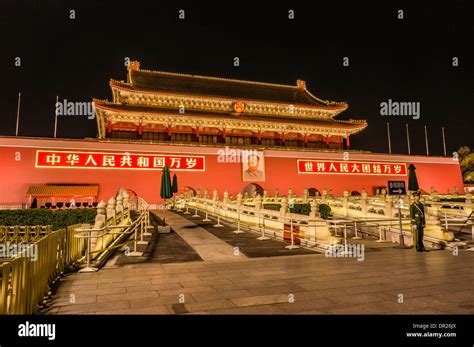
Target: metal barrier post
(142,226)
(195,213)
(356,237)
(148,226)
(292,246)
(88,267)
(218,225)
(135,253)
(345,251)
(380,240)
(263,237)
(206,219)
(187,207)
(238,231)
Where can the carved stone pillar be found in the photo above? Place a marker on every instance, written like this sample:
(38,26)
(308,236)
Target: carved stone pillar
(284,206)
(363,202)
(345,203)
(314,208)
(305,195)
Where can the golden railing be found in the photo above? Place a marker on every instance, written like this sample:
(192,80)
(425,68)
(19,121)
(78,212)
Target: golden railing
(43,255)
(114,235)
(23,234)
(27,281)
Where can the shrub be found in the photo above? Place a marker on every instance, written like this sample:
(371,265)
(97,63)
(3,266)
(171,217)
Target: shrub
(58,219)
(452,200)
(325,211)
(304,209)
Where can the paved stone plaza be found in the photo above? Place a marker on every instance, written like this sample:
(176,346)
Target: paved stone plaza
(211,278)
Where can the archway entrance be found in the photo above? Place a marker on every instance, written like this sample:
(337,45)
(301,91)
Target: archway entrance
(190,189)
(251,188)
(313,192)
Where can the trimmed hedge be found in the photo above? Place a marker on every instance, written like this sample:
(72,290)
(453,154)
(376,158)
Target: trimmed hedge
(58,219)
(304,209)
(452,200)
(325,211)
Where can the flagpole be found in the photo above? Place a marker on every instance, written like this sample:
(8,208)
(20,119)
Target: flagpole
(426,142)
(56,116)
(408,140)
(18,114)
(444,141)
(389,142)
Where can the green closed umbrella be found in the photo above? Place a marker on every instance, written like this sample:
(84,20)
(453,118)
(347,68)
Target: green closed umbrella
(165,190)
(174,186)
(412,180)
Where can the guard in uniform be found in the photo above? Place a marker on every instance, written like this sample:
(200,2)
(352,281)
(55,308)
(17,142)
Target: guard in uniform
(417,215)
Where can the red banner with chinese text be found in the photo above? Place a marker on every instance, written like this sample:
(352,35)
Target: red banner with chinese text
(117,161)
(351,168)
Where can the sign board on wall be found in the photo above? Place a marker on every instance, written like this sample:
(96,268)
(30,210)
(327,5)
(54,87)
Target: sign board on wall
(396,188)
(351,168)
(117,161)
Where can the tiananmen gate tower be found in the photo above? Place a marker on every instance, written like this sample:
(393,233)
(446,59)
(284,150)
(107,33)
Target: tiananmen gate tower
(214,133)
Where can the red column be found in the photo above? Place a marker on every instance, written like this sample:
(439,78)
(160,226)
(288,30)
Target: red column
(348,142)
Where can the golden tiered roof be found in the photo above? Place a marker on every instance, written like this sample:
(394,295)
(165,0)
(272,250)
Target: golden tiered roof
(165,98)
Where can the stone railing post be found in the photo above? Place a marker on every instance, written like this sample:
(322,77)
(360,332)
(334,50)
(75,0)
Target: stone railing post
(324,196)
(314,208)
(126,203)
(388,206)
(434,199)
(383,192)
(198,193)
(305,195)
(126,200)
(363,202)
(265,195)
(284,206)
(111,210)
(225,199)
(206,194)
(258,203)
(180,201)
(100,221)
(277,194)
(290,193)
(119,204)
(100,218)
(239,200)
(468,204)
(345,203)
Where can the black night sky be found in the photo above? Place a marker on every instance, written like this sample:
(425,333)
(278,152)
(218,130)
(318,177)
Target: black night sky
(402,60)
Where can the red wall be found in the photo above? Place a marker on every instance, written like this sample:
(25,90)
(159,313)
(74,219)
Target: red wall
(281,172)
